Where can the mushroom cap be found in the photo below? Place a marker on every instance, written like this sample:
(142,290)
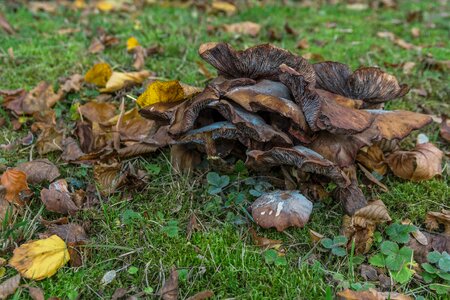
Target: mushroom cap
(281,209)
(300,157)
(369,84)
(258,62)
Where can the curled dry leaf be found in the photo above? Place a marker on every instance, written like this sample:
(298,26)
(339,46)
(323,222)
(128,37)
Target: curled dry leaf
(264,242)
(435,242)
(74,236)
(169,291)
(433,219)
(40,259)
(184,158)
(39,170)
(361,226)
(315,236)
(57,198)
(370,294)
(372,158)
(9,286)
(351,197)
(107,176)
(202,295)
(120,80)
(99,74)
(417,234)
(445,128)
(166,91)
(281,209)
(15,182)
(7,209)
(36,293)
(224,7)
(422,163)
(246,28)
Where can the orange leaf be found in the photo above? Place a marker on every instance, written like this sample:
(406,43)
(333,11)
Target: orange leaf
(14,181)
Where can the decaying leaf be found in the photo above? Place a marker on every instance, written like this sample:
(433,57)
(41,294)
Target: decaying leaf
(223,6)
(57,198)
(202,295)
(370,294)
(120,80)
(281,209)
(373,159)
(445,128)
(107,176)
(4,24)
(361,226)
(247,28)
(166,91)
(102,41)
(9,286)
(315,236)
(184,158)
(15,182)
(433,219)
(97,111)
(169,291)
(40,259)
(36,293)
(99,74)
(7,209)
(351,197)
(39,170)
(264,242)
(422,163)
(74,236)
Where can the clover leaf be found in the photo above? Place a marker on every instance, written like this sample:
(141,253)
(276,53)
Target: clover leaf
(400,233)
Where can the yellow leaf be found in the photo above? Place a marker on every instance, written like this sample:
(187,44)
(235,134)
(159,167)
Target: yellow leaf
(40,259)
(223,6)
(132,43)
(99,74)
(120,80)
(105,6)
(161,91)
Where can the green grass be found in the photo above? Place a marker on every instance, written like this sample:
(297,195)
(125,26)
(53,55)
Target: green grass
(221,256)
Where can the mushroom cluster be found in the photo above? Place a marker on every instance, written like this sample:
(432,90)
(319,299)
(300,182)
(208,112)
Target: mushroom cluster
(275,110)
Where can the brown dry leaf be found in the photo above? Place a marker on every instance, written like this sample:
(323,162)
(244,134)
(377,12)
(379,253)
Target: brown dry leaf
(169,291)
(223,6)
(422,163)
(99,74)
(49,140)
(120,80)
(97,111)
(107,177)
(184,158)
(417,234)
(15,183)
(433,219)
(445,128)
(72,83)
(361,226)
(139,54)
(9,286)
(57,198)
(74,236)
(40,259)
(71,150)
(315,236)
(245,28)
(373,159)
(36,293)
(39,170)
(6,208)
(132,126)
(408,67)
(396,40)
(373,179)
(370,294)
(264,242)
(415,32)
(191,226)
(202,295)
(102,41)
(303,44)
(281,209)
(4,24)
(36,6)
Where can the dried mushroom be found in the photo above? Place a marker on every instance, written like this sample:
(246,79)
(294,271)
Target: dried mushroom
(281,209)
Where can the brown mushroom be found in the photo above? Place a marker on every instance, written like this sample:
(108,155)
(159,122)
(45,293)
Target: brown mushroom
(300,157)
(281,209)
(259,62)
(323,113)
(369,84)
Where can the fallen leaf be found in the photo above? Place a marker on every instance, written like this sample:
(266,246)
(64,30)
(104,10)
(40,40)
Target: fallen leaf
(120,80)
(289,30)
(415,32)
(132,43)
(99,74)
(357,6)
(281,209)
(40,259)
(36,293)
(223,6)
(15,182)
(107,177)
(373,159)
(433,219)
(119,293)
(102,41)
(417,234)
(36,6)
(74,236)
(303,44)
(445,128)
(408,67)
(97,111)
(368,272)
(192,226)
(9,286)
(315,236)
(422,163)
(202,295)
(264,242)
(165,92)
(370,294)
(169,290)
(7,209)
(49,140)
(246,28)
(396,40)
(39,170)
(4,24)
(57,198)
(72,83)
